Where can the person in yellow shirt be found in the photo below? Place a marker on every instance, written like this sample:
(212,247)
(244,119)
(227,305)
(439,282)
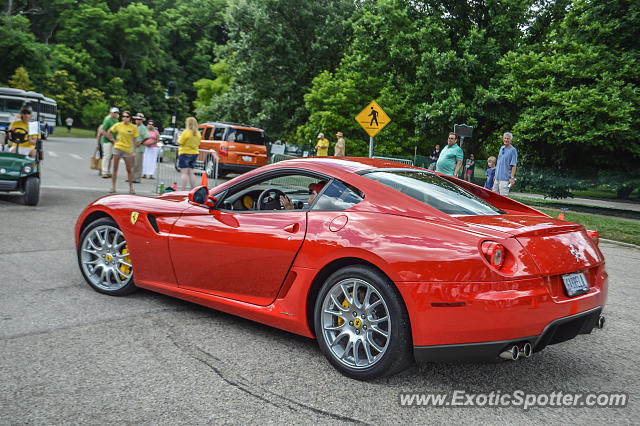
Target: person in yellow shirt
(29,146)
(189,143)
(322,147)
(127,133)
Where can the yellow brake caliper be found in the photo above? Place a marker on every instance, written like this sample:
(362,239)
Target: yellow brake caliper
(346,305)
(124,268)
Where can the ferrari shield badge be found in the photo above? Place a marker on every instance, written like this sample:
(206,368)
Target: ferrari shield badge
(134,217)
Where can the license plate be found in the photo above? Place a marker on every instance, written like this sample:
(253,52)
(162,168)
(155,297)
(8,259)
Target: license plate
(247,158)
(575,284)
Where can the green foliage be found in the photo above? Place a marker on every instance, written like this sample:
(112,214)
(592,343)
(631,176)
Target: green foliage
(20,79)
(93,113)
(208,88)
(274,50)
(64,90)
(18,47)
(577,91)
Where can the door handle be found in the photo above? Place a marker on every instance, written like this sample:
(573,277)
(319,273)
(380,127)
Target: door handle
(293,228)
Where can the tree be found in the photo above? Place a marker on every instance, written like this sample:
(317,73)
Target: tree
(20,79)
(577,92)
(18,47)
(275,49)
(208,88)
(59,86)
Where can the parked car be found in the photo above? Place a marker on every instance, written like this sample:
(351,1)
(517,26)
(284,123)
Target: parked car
(381,262)
(240,147)
(167,136)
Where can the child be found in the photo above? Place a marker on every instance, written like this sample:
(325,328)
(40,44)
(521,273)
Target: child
(491,172)
(469,167)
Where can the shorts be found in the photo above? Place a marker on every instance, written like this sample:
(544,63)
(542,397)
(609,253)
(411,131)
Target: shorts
(468,172)
(121,153)
(187,161)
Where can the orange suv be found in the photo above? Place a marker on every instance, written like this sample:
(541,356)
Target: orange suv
(241,148)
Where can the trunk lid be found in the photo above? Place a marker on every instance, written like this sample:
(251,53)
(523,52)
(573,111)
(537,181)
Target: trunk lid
(557,247)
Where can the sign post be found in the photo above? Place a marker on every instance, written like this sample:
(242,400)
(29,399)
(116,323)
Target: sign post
(463,131)
(372,119)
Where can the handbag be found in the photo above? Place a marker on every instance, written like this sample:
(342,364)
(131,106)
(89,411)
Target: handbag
(95,162)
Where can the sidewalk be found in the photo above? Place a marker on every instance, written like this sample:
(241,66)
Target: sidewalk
(611,204)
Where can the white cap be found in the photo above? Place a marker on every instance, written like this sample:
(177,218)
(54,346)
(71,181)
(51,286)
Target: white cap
(114,109)
(320,135)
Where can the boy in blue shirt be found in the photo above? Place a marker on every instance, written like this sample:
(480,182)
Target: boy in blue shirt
(491,172)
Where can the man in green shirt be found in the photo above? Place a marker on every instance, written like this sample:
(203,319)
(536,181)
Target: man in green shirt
(144,135)
(450,159)
(107,145)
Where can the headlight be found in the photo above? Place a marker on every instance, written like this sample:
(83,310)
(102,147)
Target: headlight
(28,168)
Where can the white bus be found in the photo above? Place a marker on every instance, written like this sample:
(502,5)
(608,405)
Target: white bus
(44,109)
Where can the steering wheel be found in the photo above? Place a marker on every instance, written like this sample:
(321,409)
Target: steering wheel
(18,135)
(269,199)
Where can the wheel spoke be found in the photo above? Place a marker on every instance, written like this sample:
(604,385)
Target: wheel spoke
(374,344)
(347,349)
(338,304)
(381,332)
(367,350)
(345,291)
(378,320)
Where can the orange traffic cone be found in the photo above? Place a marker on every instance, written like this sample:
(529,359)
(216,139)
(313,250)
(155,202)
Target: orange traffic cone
(204,180)
(561,216)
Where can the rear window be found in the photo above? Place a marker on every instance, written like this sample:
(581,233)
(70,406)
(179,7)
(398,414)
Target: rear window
(245,136)
(218,133)
(435,192)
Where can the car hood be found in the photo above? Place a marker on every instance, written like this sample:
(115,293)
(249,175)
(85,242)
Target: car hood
(556,246)
(13,162)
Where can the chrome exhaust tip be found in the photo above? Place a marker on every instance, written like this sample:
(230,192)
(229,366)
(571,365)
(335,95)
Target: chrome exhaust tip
(511,353)
(526,350)
(600,323)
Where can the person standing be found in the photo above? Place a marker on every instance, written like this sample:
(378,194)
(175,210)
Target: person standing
(450,158)
(491,172)
(123,146)
(340,146)
(29,145)
(469,167)
(434,157)
(107,145)
(322,147)
(505,166)
(189,143)
(150,151)
(69,123)
(143,136)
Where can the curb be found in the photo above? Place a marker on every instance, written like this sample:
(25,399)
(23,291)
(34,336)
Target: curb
(620,243)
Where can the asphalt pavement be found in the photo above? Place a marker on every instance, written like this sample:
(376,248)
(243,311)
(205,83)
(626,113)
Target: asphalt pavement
(72,355)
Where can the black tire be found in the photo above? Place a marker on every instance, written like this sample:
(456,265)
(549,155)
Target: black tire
(175,165)
(113,283)
(395,356)
(31,191)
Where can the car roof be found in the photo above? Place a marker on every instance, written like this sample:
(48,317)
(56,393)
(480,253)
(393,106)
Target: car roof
(346,164)
(229,124)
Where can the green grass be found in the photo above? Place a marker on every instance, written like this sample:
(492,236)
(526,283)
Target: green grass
(61,132)
(624,230)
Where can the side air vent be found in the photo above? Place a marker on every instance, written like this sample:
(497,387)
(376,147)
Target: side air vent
(153,222)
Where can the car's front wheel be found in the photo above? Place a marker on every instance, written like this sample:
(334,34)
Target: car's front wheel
(362,325)
(32,191)
(103,256)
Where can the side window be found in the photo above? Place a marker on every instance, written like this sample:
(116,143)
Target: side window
(206,135)
(286,192)
(218,133)
(337,197)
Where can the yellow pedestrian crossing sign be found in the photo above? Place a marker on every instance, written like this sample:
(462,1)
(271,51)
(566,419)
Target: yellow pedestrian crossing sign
(372,118)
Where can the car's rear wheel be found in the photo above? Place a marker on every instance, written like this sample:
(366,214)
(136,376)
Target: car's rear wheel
(362,325)
(103,256)
(32,191)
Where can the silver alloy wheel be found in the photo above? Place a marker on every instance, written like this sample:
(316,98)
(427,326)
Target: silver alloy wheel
(105,258)
(356,323)
(210,168)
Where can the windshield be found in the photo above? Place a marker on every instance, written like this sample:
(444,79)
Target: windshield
(168,132)
(435,192)
(10,105)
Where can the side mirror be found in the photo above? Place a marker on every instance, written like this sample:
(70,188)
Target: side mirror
(200,196)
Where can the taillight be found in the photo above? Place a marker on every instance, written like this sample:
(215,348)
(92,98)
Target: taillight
(494,253)
(224,150)
(594,236)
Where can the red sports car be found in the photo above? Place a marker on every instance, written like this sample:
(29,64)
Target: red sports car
(381,262)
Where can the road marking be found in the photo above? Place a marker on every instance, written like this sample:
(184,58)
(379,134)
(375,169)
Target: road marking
(76,156)
(52,153)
